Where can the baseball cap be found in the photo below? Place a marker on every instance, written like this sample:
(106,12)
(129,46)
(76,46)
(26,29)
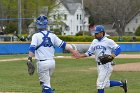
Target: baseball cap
(98,29)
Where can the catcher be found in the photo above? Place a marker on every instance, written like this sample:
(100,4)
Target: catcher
(43,47)
(105,51)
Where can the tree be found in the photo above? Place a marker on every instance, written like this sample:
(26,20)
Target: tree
(113,11)
(29,8)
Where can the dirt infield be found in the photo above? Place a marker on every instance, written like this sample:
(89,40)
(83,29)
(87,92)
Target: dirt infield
(120,67)
(127,67)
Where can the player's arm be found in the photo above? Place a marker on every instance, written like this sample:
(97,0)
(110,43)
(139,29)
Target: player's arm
(115,47)
(32,47)
(62,44)
(83,55)
(88,53)
(75,53)
(116,52)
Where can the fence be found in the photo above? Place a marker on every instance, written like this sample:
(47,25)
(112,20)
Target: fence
(23,47)
(6,38)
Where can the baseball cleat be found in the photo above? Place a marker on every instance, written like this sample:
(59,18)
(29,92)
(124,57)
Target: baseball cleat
(53,89)
(124,86)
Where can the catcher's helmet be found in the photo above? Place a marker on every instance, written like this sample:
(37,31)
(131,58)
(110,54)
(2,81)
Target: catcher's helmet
(99,28)
(42,22)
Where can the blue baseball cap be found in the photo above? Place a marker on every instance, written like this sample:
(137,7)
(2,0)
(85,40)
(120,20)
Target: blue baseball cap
(98,29)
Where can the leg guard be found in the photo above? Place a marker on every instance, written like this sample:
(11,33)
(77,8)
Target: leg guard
(47,90)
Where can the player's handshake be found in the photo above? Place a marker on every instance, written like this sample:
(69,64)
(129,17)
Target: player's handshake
(76,54)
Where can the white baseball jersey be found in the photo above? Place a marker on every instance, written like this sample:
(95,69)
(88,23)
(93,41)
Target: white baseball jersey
(104,46)
(44,53)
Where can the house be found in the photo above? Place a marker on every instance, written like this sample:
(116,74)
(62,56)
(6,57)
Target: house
(72,15)
(132,24)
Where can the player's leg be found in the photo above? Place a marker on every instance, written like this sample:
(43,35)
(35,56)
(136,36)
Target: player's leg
(44,74)
(115,83)
(104,73)
(122,84)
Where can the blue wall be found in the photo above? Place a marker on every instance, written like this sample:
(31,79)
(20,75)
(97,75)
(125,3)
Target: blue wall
(22,48)
(133,47)
(9,48)
(19,48)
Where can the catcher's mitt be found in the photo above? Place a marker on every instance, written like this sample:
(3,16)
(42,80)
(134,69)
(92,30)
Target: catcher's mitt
(106,58)
(31,67)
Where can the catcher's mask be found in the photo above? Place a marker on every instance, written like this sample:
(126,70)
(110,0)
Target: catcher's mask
(42,22)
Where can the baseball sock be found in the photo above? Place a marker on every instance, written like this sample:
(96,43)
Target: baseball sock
(115,83)
(100,90)
(47,90)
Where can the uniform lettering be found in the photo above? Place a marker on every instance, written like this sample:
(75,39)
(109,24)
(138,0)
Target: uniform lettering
(99,47)
(47,42)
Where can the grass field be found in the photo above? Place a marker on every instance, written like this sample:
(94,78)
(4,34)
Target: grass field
(71,76)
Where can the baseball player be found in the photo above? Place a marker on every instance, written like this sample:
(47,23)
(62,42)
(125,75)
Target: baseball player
(105,51)
(43,47)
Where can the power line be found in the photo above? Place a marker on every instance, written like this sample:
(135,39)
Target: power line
(15,19)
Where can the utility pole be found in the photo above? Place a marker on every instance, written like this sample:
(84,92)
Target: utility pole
(83,16)
(19,18)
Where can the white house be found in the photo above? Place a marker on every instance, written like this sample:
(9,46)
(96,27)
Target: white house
(72,14)
(133,24)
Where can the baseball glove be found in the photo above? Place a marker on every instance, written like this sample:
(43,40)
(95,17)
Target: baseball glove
(31,67)
(106,58)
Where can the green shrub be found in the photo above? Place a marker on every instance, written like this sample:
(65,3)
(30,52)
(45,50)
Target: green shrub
(137,33)
(79,33)
(90,38)
(77,38)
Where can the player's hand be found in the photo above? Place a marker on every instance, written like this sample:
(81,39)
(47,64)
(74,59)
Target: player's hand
(76,54)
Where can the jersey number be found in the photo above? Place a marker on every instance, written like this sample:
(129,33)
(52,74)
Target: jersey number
(47,42)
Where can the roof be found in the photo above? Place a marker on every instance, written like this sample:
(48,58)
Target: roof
(133,16)
(71,5)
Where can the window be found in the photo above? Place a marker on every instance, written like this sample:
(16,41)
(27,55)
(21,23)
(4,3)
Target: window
(128,29)
(77,29)
(80,28)
(54,16)
(65,17)
(77,16)
(80,17)
(134,29)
